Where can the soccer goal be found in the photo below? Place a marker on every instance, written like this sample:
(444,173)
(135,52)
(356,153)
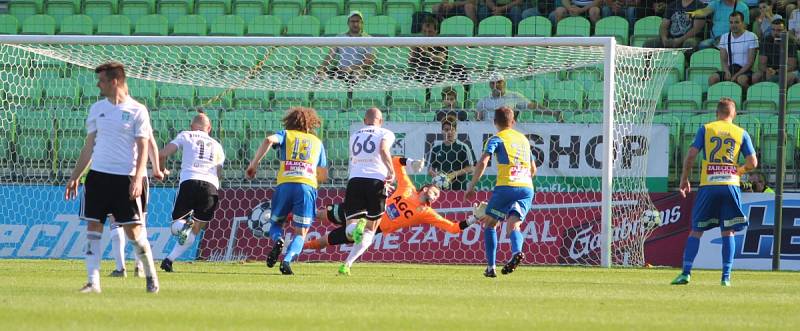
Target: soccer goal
(582,102)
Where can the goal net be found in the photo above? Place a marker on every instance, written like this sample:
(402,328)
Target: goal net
(569,94)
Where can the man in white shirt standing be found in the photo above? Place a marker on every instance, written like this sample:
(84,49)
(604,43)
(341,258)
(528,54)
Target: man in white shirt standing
(197,200)
(737,53)
(118,132)
(371,174)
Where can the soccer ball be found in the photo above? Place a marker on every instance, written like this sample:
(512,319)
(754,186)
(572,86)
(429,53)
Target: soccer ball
(177,226)
(258,221)
(441,181)
(651,219)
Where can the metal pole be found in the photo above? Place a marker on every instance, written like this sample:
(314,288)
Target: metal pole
(607,184)
(779,173)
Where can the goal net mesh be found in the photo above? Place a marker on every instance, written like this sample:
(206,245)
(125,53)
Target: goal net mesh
(46,90)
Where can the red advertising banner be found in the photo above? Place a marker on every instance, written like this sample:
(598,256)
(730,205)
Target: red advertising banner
(562,228)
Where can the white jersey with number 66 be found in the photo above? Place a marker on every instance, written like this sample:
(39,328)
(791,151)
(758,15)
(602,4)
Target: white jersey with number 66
(365,157)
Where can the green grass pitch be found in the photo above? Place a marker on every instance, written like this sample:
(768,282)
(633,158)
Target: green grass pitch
(42,294)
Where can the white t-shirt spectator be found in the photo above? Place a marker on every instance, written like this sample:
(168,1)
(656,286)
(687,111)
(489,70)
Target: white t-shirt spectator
(117,128)
(739,46)
(512,99)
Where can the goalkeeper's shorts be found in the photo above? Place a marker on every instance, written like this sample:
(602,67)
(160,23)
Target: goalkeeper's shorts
(509,200)
(718,206)
(298,199)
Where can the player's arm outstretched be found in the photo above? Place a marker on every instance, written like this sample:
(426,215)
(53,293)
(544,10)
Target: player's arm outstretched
(434,219)
(266,145)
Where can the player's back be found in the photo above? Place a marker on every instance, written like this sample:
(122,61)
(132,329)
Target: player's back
(202,154)
(300,154)
(720,143)
(512,152)
(365,157)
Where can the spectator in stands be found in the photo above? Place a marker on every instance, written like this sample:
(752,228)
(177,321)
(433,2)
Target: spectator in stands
(794,25)
(428,64)
(763,26)
(677,29)
(450,106)
(466,8)
(501,97)
(721,9)
(590,8)
(516,10)
(769,56)
(737,53)
(622,8)
(352,62)
(758,183)
(783,7)
(453,158)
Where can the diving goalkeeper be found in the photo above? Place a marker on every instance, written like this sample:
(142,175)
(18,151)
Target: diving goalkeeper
(406,207)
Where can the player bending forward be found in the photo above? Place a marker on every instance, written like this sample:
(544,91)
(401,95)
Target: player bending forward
(405,208)
(201,167)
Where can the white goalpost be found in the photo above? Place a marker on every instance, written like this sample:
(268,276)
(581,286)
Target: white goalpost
(591,128)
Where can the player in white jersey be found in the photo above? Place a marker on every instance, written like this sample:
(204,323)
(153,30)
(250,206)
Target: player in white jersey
(118,129)
(371,174)
(197,198)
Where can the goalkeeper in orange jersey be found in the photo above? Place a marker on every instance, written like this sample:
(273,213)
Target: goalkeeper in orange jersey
(406,207)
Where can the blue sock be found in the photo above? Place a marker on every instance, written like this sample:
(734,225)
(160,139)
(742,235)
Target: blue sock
(689,253)
(516,241)
(294,248)
(275,230)
(728,249)
(490,241)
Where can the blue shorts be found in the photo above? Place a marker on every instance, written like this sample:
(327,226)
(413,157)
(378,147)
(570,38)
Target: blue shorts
(718,206)
(299,199)
(506,200)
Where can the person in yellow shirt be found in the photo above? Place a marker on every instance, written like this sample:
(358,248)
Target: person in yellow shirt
(302,166)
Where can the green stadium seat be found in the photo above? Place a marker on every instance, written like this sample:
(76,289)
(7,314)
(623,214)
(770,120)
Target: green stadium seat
(675,63)
(70,135)
(793,99)
(214,98)
(367,8)
(684,96)
(362,100)
(232,147)
(36,128)
(338,150)
(287,9)
(535,26)
(28,96)
(392,58)
(247,9)
(613,26)
(547,80)
(176,97)
(673,124)
(769,129)
(644,29)
(435,99)
(89,93)
(174,9)
(336,25)
(161,121)
(411,116)
(22,9)
(762,97)
(330,100)
(96,9)
(306,26)
(583,117)
(586,75)
(211,9)
(285,99)
(135,9)
(323,10)
(251,99)
(115,25)
(595,96)
(39,24)
(477,92)
(59,9)
(265,123)
(7,135)
(143,91)
(152,25)
(402,11)
(9,24)
(470,58)
(264,26)
(407,99)
(309,59)
(720,90)
(701,65)
(575,26)
(457,26)
(190,25)
(77,25)
(427,5)
(533,116)
(236,123)
(227,25)
(565,95)
(61,93)
(381,26)
(495,26)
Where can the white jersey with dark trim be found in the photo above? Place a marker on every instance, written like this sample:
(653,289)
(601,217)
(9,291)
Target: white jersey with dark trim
(117,127)
(365,157)
(201,156)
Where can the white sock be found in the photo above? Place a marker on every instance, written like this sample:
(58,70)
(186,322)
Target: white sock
(348,230)
(136,260)
(359,249)
(118,246)
(179,249)
(142,248)
(93,255)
